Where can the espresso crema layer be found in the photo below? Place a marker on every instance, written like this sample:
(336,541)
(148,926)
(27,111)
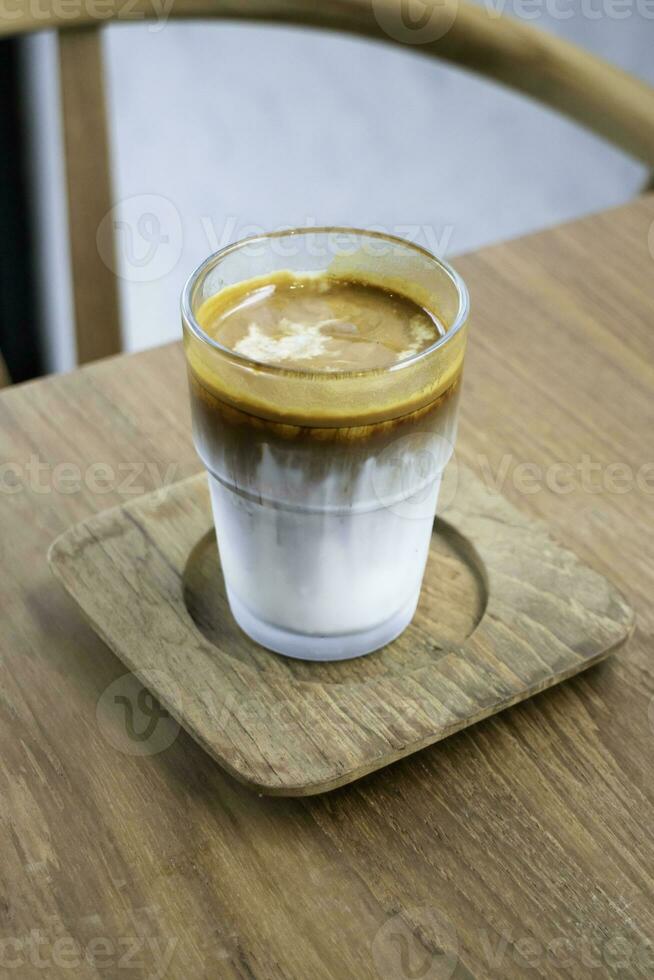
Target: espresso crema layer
(319,323)
(320,351)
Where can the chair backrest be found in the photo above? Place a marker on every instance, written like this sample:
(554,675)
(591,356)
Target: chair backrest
(615,105)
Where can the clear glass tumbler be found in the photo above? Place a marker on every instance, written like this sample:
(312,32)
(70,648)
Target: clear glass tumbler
(324,485)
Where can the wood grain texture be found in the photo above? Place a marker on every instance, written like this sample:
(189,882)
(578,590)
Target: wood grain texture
(293,729)
(598,95)
(88,178)
(595,93)
(529,833)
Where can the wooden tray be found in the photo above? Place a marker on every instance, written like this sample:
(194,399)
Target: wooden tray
(497,622)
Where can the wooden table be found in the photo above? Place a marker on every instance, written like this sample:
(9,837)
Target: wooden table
(522,847)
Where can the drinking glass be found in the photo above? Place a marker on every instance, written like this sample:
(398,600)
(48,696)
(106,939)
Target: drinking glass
(324,484)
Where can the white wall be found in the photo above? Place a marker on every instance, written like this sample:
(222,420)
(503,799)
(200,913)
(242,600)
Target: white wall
(219,128)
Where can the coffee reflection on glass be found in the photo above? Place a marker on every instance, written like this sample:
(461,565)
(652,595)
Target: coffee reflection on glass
(325,368)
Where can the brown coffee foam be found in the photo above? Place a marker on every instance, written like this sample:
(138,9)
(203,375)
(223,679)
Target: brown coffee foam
(322,399)
(297,322)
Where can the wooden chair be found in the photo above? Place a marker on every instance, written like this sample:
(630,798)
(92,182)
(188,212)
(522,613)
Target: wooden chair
(603,98)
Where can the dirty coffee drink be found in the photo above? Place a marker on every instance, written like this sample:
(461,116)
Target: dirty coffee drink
(324,408)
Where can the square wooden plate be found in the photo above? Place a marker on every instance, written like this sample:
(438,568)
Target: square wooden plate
(505,612)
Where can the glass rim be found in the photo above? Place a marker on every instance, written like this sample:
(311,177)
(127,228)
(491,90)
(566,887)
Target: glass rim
(212,260)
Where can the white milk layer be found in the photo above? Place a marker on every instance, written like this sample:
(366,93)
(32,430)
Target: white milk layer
(327,564)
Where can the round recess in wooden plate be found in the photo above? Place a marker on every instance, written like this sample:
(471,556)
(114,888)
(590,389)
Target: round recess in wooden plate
(452,603)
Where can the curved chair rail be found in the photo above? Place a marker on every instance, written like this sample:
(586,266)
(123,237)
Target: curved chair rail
(596,94)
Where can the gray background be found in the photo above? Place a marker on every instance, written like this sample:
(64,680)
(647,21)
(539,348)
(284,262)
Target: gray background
(221,129)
